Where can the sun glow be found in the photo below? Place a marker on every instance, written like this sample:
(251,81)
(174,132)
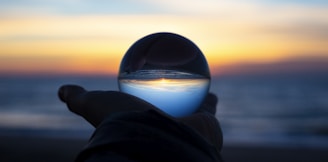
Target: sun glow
(163,81)
(95,43)
(177,97)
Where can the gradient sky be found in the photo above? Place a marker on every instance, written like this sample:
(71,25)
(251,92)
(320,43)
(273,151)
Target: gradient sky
(91,36)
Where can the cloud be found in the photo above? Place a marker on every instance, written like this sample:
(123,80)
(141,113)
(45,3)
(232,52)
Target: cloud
(226,31)
(74,7)
(308,64)
(292,19)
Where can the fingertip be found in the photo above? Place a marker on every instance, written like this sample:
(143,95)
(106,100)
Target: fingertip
(211,99)
(66,92)
(209,104)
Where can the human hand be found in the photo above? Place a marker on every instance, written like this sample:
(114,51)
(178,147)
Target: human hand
(94,106)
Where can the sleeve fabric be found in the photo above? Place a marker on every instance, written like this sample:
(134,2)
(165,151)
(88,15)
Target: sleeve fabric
(146,136)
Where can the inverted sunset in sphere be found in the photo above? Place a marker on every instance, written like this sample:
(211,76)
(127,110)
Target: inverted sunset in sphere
(166,70)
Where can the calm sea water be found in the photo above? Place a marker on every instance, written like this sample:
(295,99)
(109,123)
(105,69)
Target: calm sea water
(268,110)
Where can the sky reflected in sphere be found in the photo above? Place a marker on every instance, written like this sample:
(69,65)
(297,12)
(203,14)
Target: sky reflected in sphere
(178,94)
(166,70)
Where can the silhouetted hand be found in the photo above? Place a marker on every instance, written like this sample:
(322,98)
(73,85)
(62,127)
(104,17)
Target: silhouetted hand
(94,106)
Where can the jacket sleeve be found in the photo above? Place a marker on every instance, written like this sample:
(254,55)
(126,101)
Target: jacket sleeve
(146,136)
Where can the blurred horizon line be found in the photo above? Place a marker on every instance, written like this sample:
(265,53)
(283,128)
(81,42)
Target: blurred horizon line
(304,65)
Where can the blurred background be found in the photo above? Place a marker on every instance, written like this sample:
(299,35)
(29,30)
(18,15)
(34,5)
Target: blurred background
(268,61)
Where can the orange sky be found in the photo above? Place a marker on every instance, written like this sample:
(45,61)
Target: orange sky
(44,40)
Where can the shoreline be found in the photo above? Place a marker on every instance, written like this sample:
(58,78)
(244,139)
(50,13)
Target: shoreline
(40,149)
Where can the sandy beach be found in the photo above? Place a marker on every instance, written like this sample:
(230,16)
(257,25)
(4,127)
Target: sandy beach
(26,149)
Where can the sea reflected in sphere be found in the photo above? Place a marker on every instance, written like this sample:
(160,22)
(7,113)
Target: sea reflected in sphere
(176,93)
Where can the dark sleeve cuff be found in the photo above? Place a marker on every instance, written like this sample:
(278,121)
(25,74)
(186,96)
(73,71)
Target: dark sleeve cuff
(146,136)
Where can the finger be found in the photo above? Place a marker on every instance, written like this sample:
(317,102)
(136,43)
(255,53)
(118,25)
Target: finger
(211,99)
(97,105)
(204,121)
(94,106)
(69,94)
(209,104)
(207,126)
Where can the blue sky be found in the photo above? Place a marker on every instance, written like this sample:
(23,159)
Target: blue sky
(300,2)
(80,7)
(127,6)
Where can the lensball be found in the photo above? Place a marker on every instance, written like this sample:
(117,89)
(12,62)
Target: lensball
(167,70)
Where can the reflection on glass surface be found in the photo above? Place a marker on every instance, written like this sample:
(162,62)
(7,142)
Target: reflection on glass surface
(178,95)
(167,70)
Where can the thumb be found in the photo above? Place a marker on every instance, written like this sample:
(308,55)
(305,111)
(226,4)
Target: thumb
(94,106)
(209,104)
(71,95)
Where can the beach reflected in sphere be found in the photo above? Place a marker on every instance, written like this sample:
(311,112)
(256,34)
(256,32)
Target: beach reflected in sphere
(176,93)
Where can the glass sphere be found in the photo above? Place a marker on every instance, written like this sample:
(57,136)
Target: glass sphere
(166,70)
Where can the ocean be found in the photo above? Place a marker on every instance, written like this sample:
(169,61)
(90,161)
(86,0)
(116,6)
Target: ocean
(268,110)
